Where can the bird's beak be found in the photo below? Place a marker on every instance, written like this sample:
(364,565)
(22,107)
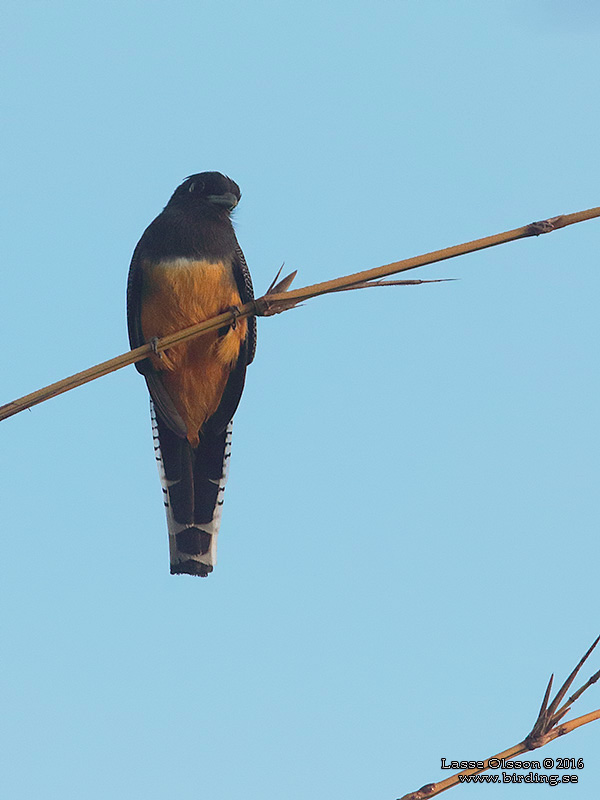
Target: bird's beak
(227,200)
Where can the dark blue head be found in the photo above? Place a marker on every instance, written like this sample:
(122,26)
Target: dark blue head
(208,189)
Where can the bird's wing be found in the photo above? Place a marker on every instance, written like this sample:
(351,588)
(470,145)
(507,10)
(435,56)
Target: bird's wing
(235,383)
(160,396)
(244,284)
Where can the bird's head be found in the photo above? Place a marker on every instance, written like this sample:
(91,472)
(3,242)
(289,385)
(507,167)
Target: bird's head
(209,189)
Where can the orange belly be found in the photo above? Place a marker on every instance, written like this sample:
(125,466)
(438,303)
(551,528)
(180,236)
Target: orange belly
(175,295)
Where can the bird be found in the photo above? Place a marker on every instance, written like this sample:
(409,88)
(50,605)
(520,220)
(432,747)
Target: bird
(188,267)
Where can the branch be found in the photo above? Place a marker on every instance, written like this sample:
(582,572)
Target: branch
(545,729)
(278,300)
(534,229)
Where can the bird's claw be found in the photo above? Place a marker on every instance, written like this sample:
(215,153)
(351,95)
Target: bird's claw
(235,310)
(154,346)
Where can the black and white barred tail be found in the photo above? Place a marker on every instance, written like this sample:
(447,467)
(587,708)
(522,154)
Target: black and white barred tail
(193,483)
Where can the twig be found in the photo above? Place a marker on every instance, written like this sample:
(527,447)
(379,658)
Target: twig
(278,300)
(545,729)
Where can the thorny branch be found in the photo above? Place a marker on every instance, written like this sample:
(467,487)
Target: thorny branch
(545,729)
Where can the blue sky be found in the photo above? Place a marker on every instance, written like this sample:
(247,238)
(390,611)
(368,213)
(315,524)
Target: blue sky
(409,542)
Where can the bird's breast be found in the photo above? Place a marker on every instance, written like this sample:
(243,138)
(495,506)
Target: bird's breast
(177,293)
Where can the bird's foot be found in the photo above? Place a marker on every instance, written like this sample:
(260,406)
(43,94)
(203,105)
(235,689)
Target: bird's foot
(154,346)
(235,310)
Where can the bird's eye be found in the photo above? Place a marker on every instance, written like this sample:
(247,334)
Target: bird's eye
(192,187)
(196,186)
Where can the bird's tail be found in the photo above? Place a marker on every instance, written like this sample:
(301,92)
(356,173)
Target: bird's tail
(193,482)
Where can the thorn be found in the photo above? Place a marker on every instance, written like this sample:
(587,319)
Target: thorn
(414,282)
(547,695)
(274,281)
(369,284)
(284,284)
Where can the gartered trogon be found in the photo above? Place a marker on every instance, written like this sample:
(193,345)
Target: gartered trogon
(188,267)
